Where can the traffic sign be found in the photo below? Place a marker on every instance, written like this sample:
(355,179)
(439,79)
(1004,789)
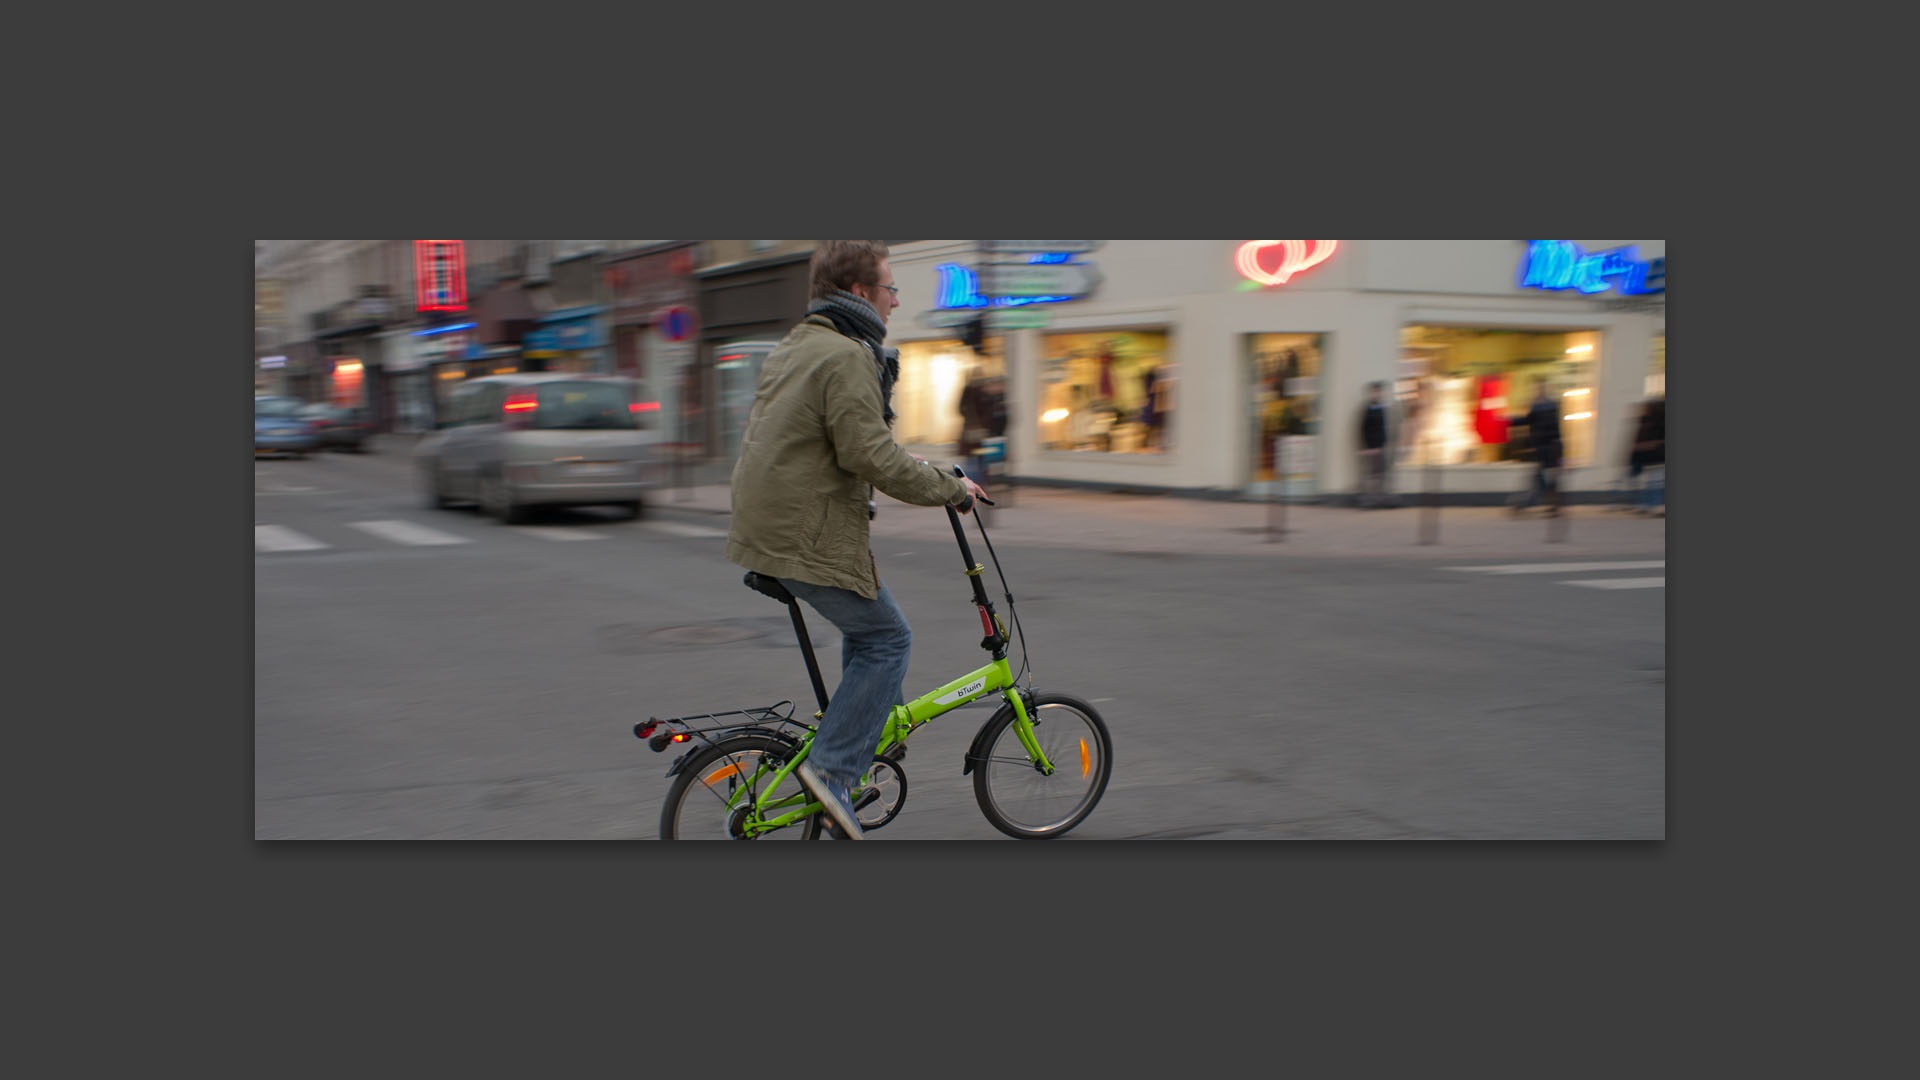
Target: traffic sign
(1027,279)
(1040,245)
(1025,317)
(941,318)
(676,324)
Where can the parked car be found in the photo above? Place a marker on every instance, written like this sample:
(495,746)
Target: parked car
(340,428)
(515,442)
(278,427)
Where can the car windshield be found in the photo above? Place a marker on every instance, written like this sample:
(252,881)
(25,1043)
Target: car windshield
(573,406)
(275,407)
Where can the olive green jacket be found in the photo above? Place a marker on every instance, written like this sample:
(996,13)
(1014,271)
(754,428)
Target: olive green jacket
(814,441)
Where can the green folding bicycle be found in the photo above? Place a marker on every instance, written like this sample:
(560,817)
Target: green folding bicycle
(1039,764)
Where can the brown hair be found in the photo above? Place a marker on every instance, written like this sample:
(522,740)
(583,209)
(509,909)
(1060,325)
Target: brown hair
(840,264)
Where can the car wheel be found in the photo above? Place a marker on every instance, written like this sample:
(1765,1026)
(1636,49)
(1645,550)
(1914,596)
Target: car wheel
(633,507)
(497,501)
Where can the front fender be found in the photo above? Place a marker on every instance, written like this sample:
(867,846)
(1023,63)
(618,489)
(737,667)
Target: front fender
(977,750)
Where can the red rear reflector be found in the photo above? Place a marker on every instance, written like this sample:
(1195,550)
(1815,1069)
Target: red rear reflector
(644,406)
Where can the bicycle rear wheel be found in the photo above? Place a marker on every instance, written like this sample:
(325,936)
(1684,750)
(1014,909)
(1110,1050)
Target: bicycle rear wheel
(697,806)
(1017,798)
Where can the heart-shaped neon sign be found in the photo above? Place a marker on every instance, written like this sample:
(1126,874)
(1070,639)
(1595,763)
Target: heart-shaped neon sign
(1299,255)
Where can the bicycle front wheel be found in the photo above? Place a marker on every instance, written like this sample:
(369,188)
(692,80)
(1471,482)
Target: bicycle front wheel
(1021,801)
(712,796)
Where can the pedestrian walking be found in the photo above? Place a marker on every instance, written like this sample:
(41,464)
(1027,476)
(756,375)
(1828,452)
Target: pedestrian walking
(1543,434)
(1373,448)
(1650,457)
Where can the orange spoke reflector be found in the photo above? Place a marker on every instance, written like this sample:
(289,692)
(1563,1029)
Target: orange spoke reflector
(1085,765)
(725,771)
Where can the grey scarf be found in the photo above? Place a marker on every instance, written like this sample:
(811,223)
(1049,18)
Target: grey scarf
(857,319)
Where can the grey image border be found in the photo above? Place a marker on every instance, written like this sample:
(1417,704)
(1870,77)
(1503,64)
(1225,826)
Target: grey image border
(583,886)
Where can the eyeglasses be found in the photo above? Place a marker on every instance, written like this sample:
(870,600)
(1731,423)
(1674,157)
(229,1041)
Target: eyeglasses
(894,289)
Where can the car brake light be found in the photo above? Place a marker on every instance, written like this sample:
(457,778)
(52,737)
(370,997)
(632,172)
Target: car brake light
(522,403)
(644,406)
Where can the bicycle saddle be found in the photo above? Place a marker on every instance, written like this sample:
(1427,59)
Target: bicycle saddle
(767,586)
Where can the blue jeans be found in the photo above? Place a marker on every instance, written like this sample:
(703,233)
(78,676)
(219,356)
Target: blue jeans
(875,642)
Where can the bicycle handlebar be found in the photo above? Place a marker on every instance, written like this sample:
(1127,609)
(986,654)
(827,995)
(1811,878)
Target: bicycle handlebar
(994,642)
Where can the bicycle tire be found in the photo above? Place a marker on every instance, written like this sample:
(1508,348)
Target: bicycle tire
(695,808)
(1015,797)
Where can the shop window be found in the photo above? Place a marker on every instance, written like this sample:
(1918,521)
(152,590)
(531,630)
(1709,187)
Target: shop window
(347,388)
(1108,391)
(1284,372)
(926,399)
(1657,368)
(1463,393)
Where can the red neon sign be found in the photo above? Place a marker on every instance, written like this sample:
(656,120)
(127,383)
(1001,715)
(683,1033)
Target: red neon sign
(439,275)
(1298,255)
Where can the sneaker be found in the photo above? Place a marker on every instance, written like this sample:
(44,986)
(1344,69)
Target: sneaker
(833,798)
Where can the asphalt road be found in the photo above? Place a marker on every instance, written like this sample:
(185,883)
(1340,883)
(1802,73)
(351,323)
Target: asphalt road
(480,681)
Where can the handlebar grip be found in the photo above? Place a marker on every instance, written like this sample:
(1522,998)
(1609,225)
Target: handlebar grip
(968,505)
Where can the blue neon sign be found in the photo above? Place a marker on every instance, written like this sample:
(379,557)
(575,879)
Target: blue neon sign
(960,288)
(1558,264)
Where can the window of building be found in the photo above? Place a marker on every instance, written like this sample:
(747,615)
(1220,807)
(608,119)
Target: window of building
(1657,368)
(926,399)
(1106,391)
(1464,392)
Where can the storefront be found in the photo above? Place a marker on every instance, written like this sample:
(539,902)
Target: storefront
(1243,367)
(573,341)
(652,288)
(415,357)
(742,306)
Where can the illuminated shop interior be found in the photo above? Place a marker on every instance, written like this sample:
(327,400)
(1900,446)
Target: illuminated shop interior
(1108,391)
(1463,393)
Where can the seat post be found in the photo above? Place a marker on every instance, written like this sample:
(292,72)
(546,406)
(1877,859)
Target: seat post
(806,650)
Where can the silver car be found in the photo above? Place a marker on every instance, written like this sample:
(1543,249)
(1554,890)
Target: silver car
(516,442)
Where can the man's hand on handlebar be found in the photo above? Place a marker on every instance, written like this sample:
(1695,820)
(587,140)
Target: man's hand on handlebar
(974,491)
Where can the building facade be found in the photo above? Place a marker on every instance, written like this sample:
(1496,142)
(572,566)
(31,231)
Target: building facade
(1207,364)
(1229,366)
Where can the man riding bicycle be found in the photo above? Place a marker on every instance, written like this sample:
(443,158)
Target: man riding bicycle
(818,441)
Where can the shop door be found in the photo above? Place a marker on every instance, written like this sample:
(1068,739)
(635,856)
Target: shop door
(1283,374)
(736,371)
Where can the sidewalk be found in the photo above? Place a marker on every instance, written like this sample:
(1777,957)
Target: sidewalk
(1034,516)
(1172,524)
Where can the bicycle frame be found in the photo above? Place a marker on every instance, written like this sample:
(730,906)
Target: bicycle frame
(996,677)
(771,813)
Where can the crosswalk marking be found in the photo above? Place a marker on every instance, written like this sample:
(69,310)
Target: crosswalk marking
(278,538)
(547,532)
(406,532)
(1563,568)
(281,538)
(1620,583)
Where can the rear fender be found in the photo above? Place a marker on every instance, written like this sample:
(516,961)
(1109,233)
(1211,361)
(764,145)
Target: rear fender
(715,737)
